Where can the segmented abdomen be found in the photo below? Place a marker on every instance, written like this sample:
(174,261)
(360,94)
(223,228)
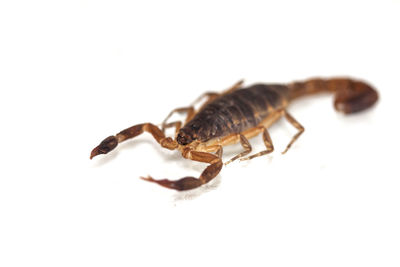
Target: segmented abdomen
(237,111)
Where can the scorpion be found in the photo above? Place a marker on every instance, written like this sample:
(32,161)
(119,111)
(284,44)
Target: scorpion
(234,116)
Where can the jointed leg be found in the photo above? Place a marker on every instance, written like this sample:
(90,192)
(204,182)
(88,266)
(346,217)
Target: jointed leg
(211,148)
(111,142)
(212,95)
(209,95)
(267,142)
(187,183)
(297,125)
(176,124)
(247,149)
(190,113)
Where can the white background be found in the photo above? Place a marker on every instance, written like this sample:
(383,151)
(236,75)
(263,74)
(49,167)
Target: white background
(75,72)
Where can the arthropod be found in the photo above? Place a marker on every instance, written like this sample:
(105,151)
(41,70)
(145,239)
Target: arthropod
(236,115)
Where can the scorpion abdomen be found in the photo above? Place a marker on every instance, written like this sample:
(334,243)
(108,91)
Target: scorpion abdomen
(236,112)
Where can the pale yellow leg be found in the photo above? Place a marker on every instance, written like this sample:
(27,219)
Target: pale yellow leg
(297,125)
(268,145)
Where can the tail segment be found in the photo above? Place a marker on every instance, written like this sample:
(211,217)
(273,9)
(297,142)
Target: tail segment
(350,95)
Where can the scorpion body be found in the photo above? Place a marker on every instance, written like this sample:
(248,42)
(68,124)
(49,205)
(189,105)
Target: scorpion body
(235,112)
(235,116)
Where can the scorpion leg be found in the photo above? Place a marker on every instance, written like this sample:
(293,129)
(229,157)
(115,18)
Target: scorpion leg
(247,149)
(212,95)
(190,113)
(176,124)
(111,142)
(267,142)
(212,148)
(209,95)
(187,183)
(297,125)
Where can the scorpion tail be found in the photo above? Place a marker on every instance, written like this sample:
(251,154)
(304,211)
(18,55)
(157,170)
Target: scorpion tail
(350,95)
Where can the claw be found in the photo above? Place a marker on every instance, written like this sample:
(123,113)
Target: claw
(185,183)
(105,146)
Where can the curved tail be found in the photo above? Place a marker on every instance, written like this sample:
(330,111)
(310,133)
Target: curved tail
(350,95)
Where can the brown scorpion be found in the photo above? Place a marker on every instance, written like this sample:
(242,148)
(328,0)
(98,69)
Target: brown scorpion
(234,116)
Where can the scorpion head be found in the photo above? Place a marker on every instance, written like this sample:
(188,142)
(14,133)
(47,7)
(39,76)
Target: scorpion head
(189,133)
(184,138)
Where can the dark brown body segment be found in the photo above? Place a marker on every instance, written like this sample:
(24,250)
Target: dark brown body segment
(236,112)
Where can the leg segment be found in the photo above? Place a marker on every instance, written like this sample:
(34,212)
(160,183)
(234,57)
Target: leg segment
(190,113)
(297,125)
(213,148)
(267,142)
(187,183)
(111,142)
(209,95)
(234,87)
(247,149)
(176,124)
(212,95)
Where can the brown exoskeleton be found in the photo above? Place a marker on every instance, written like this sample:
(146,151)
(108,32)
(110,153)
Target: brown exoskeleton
(235,116)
